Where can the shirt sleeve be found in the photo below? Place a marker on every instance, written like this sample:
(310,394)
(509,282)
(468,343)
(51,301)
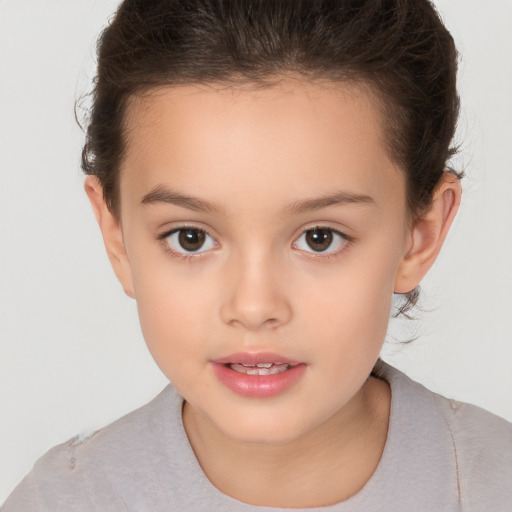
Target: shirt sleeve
(483,448)
(54,485)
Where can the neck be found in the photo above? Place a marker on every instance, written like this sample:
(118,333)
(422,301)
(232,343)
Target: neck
(324,466)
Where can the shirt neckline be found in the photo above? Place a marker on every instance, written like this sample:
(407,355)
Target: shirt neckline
(398,462)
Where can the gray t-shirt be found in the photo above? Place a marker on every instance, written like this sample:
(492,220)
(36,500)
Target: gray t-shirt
(440,455)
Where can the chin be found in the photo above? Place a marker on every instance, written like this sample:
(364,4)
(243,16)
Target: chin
(262,430)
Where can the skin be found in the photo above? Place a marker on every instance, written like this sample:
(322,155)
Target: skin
(258,287)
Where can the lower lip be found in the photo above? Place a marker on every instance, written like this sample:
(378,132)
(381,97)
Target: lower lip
(258,386)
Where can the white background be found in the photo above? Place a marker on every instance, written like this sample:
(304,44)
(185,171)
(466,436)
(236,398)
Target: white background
(72,355)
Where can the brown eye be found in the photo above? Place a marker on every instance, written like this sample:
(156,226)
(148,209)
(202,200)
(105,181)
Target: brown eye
(189,240)
(321,240)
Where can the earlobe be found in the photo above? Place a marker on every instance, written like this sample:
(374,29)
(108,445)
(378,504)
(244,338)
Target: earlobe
(428,234)
(112,234)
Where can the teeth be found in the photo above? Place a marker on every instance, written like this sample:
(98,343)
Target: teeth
(260,369)
(260,365)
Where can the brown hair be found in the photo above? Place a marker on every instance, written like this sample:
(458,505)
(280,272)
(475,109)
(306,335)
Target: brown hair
(400,48)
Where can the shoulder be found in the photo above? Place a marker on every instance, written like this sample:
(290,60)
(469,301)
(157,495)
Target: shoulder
(92,473)
(483,450)
(473,445)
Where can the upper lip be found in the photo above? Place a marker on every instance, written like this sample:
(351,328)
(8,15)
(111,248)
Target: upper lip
(254,358)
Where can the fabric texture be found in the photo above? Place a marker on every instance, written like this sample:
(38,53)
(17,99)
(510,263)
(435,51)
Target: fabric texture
(440,455)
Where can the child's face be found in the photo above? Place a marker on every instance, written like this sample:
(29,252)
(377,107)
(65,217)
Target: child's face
(252,170)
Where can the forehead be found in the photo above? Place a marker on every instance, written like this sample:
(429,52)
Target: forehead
(294,134)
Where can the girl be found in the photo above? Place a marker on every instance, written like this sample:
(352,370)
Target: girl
(266,176)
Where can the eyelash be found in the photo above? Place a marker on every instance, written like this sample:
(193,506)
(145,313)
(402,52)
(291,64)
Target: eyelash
(182,255)
(316,255)
(348,240)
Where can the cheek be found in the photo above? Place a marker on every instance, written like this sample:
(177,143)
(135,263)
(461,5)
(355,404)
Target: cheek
(354,299)
(354,317)
(175,312)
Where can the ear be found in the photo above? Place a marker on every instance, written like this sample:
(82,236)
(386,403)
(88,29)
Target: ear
(428,234)
(112,233)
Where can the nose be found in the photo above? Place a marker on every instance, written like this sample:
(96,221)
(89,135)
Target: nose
(255,295)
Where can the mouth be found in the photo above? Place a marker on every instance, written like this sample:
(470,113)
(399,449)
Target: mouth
(262,363)
(260,375)
(259,369)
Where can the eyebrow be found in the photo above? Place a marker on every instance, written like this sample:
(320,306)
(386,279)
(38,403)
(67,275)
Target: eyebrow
(336,199)
(161,194)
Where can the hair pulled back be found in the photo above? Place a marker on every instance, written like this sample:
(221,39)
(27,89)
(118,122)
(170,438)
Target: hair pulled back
(399,48)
